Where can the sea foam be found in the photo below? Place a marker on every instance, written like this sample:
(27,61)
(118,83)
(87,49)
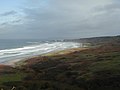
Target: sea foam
(37,49)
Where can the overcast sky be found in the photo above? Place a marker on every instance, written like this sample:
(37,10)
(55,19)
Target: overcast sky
(58,19)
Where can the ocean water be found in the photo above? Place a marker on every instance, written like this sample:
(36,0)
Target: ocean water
(19,49)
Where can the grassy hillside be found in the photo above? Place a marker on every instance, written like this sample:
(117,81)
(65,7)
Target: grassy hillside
(96,68)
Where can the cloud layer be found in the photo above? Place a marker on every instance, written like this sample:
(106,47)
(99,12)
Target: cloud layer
(58,19)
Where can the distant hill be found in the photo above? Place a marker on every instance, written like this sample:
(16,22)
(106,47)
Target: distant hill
(98,40)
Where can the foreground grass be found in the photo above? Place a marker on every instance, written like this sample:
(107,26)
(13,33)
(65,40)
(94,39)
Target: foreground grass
(11,77)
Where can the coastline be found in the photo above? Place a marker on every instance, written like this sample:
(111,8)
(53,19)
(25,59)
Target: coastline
(11,56)
(18,62)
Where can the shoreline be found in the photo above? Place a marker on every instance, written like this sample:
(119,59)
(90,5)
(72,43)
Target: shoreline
(18,62)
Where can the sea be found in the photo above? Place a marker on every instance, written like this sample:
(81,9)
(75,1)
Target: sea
(13,49)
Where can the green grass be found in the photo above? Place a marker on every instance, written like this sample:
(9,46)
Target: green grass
(11,77)
(111,62)
(106,65)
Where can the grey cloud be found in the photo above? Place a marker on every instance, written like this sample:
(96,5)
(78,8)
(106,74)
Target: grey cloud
(10,22)
(5,23)
(68,19)
(16,21)
(61,18)
(109,8)
(8,13)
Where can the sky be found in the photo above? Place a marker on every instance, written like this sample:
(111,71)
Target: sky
(58,19)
